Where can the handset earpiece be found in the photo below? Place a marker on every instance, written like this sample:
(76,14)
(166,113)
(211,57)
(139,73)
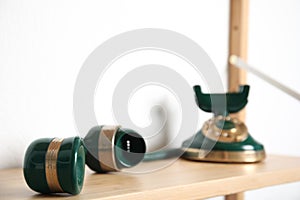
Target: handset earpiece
(53,165)
(112,148)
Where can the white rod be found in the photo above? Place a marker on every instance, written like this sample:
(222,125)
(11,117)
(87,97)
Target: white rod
(238,62)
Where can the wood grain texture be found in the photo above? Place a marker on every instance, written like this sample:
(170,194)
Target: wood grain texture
(182,180)
(238,45)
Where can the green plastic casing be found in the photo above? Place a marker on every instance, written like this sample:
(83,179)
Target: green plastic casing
(70,165)
(123,158)
(199,139)
(222,104)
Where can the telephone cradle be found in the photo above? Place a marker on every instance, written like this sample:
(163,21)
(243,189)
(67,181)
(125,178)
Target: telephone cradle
(223,138)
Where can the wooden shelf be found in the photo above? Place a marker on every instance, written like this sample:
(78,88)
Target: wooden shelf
(182,180)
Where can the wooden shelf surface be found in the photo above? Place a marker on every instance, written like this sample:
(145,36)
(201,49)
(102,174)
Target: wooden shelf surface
(181,180)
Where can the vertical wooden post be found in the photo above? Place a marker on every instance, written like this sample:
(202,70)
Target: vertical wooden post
(238,44)
(237,196)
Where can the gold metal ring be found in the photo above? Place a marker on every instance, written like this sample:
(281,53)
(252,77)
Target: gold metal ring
(106,153)
(237,134)
(51,165)
(248,156)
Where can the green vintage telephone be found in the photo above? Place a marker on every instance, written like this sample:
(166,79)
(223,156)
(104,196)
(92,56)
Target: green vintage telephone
(223,138)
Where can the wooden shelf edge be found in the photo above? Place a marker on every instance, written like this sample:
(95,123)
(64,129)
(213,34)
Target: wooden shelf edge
(182,180)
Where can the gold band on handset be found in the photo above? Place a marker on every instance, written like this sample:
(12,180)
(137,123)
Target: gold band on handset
(51,165)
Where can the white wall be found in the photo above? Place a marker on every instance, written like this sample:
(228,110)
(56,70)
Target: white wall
(44,43)
(274,47)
